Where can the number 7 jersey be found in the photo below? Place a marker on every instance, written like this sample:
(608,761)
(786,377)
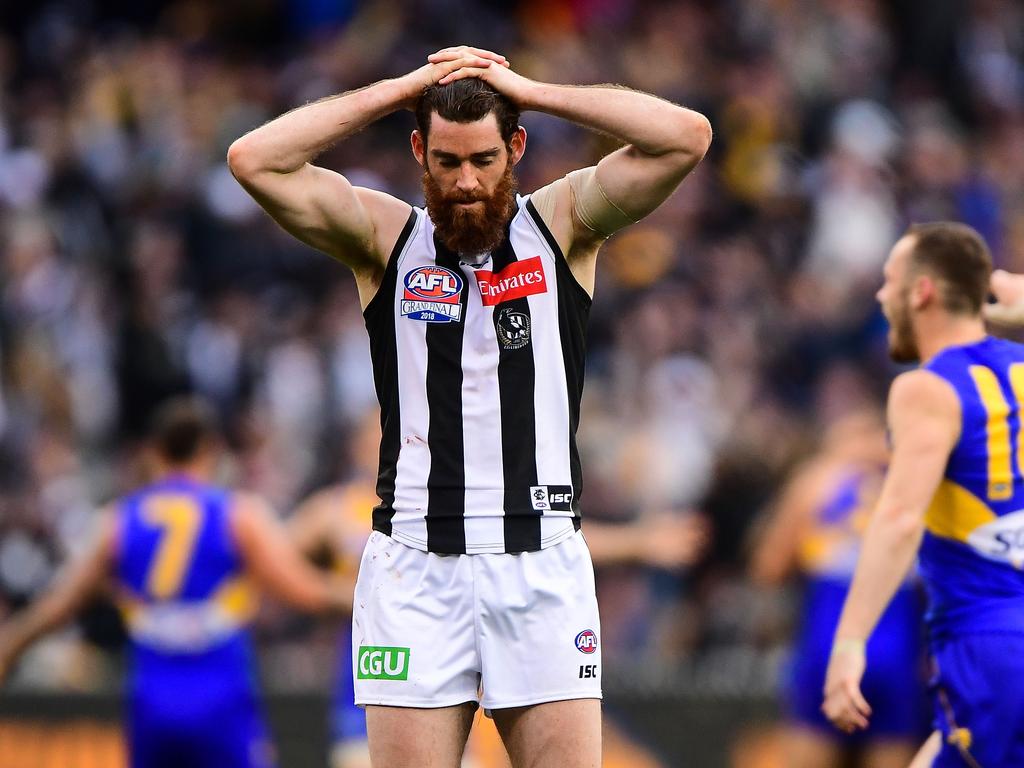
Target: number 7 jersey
(181,581)
(972,554)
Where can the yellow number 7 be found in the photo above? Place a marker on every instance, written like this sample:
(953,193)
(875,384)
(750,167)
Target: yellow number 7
(178,517)
(997,429)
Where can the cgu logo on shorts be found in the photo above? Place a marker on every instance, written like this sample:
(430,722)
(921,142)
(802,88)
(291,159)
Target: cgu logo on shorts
(586,641)
(433,294)
(383,663)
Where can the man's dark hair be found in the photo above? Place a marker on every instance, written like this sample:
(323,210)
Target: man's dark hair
(466,101)
(181,427)
(958,256)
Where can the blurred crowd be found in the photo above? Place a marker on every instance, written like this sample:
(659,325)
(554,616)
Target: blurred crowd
(728,329)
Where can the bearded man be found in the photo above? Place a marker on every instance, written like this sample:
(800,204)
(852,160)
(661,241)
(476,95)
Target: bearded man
(476,575)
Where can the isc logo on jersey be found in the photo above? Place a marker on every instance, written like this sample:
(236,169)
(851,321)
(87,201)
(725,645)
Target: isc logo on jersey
(433,294)
(586,641)
(556,498)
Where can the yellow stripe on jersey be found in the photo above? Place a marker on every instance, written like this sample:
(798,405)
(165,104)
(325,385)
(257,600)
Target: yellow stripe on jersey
(238,599)
(997,430)
(1017,385)
(955,512)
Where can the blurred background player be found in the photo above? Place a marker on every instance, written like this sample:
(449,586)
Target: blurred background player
(952,497)
(185,557)
(331,527)
(816,530)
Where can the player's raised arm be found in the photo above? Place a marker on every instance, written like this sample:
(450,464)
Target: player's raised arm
(1008,309)
(664,142)
(318,206)
(80,580)
(924,422)
(276,564)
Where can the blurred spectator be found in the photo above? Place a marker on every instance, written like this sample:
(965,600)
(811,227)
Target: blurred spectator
(132,267)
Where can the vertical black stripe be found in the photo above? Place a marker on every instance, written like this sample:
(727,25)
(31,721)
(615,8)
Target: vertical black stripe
(446,483)
(379,317)
(573,311)
(516,382)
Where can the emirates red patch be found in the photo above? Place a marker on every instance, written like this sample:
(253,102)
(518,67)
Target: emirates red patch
(518,279)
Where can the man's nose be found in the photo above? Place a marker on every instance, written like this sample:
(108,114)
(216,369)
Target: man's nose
(467,180)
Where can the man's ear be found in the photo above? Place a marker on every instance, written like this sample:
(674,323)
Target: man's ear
(924,291)
(419,147)
(517,145)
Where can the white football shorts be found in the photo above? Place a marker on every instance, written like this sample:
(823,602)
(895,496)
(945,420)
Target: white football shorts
(503,630)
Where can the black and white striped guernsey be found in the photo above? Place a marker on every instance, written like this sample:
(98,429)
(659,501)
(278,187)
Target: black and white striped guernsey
(479,373)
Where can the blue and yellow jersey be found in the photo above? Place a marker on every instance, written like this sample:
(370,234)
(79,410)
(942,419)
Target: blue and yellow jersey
(829,548)
(181,581)
(973,548)
(827,554)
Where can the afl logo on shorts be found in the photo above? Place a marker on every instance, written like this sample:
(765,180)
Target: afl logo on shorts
(433,294)
(586,641)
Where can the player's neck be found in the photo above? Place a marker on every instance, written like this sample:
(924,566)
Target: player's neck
(941,331)
(197,472)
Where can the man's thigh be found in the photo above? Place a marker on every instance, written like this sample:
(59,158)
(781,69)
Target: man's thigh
(558,734)
(979,702)
(414,642)
(407,737)
(539,628)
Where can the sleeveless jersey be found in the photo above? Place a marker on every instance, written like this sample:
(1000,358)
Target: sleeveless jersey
(973,547)
(479,373)
(828,555)
(181,584)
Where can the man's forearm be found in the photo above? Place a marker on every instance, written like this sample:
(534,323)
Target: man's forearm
(39,619)
(890,547)
(652,125)
(295,138)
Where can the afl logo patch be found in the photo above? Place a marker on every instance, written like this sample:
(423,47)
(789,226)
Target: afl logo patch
(586,641)
(433,294)
(512,328)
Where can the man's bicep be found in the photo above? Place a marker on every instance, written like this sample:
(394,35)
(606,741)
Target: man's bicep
(319,207)
(924,420)
(633,184)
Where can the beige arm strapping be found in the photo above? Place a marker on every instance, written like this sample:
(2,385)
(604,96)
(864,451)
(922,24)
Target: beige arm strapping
(589,203)
(592,206)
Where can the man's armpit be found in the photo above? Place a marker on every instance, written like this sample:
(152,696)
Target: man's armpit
(591,205)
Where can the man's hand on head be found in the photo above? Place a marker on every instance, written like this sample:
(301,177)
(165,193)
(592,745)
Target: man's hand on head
(1008,288)
(446,61)
(502,78)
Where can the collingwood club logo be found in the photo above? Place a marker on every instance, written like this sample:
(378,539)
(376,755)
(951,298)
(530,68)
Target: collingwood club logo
(513,329)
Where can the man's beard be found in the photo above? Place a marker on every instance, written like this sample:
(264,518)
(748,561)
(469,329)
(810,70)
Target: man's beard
(471,230)
(902,344)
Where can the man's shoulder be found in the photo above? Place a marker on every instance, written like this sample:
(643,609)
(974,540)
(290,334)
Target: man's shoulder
(920,397)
